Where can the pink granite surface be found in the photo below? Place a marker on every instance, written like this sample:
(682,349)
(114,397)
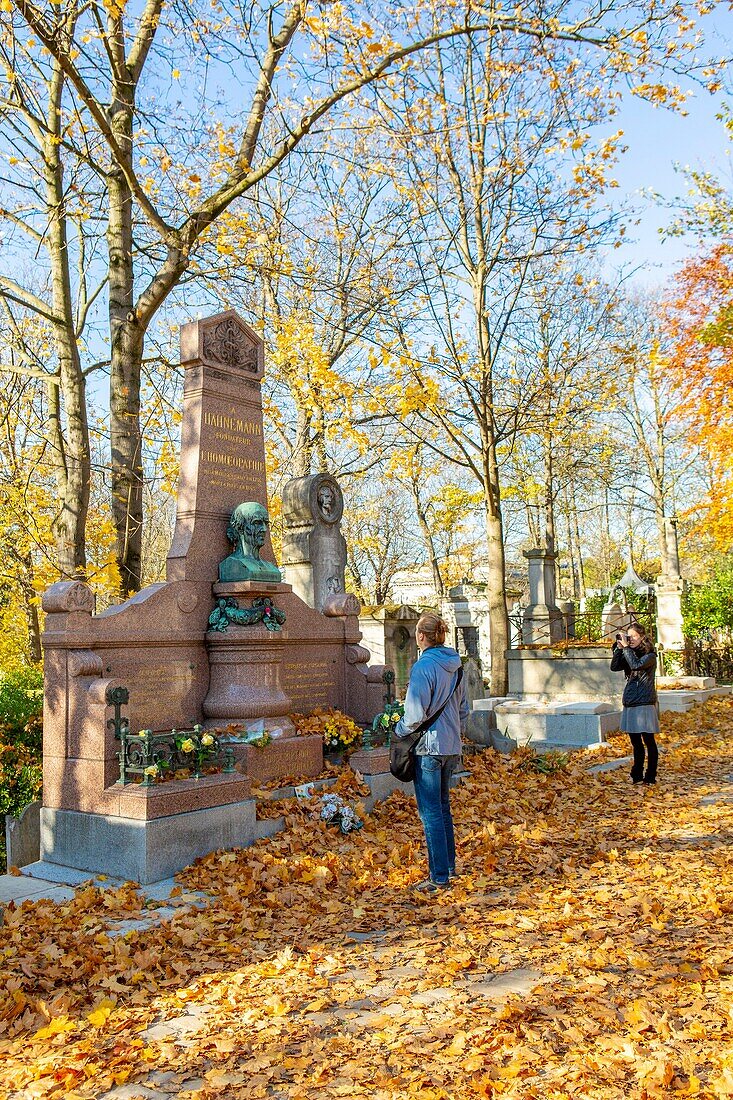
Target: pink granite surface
(222,443)
(283,756)
(180,796)
(155,643)
(370,761)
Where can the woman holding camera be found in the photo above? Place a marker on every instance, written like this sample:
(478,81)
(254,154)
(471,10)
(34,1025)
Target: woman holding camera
(633,653)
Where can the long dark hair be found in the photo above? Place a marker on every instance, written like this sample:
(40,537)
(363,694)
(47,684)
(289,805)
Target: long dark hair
(646,641)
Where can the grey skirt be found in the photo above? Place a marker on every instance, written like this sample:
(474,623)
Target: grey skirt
(640,720)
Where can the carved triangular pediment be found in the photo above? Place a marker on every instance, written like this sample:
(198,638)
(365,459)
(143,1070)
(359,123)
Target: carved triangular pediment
(228,343)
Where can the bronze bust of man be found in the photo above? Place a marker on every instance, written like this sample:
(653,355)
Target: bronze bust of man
(247,531)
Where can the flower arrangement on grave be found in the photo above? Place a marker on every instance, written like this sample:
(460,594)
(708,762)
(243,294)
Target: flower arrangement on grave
(334,811)
(339,732)
(194,750)
(381,728)
(261,741)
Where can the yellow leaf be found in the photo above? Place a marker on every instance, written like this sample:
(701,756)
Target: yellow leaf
(56,1027)
(98,1016)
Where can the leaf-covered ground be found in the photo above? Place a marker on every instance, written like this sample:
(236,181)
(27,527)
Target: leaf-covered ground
(317,973)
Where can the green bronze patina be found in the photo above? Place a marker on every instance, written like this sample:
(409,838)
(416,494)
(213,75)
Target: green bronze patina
(262,611)
(247,532)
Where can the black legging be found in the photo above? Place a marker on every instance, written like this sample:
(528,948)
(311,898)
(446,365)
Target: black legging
(639,740)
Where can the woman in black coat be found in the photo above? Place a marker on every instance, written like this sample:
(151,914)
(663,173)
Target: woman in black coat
(633,653)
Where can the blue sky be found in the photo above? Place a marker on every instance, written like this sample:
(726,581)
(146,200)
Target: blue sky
(658,140)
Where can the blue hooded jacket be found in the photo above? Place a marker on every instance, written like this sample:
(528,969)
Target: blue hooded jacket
(432,679)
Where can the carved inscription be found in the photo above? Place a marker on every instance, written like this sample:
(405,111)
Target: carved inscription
(229,450)
(228,344)
(234,424)
(309,683)
(159,693)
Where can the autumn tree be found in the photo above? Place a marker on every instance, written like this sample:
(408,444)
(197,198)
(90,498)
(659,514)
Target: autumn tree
(325,263)
(379,538)
(90,100)
(651,448)
(697,316)
(493,198)
(559,340)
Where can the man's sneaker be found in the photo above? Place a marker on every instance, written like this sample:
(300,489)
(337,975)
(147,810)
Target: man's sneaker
(427,886)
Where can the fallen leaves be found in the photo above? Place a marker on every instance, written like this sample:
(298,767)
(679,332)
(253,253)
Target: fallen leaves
(585,953)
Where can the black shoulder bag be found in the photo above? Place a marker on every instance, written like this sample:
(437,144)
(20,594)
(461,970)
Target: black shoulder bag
(402,749)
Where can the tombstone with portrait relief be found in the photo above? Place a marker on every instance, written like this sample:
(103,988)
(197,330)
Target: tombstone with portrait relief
(314,550)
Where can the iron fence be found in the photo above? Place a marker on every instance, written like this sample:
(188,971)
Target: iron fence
(704,658)
(148,755)
(585,628)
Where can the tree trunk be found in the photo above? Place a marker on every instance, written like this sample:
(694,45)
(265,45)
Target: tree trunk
(572,548)
(427,535)
(126,338)
(607,538)
(496,581)
(126,453)
(550,533)
(533,525)
(578,547)
(30,601)
(70,448)
(550,528)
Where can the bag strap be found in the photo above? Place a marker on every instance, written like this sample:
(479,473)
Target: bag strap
(424,726)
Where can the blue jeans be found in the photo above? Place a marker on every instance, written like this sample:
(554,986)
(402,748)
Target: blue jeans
(432,792)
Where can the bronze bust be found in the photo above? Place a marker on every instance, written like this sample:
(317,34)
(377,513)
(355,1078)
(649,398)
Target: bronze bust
(247,532)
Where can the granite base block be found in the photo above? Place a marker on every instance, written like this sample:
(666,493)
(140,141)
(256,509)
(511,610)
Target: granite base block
(23,836)
(301,756)
(581,724)
(383,784)
(681,701)
(143,851)
(370,761)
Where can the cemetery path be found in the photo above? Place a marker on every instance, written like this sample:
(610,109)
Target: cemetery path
(586,951)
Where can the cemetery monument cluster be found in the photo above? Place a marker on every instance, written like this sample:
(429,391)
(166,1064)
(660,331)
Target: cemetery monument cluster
(219,654)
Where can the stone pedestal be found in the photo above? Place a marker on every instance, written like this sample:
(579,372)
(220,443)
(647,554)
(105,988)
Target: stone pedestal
(542,619)
(144,851)
(473,681)
(567,607)
(557,725)
(577,674)
(245,663)
(670,634)
(292,756)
